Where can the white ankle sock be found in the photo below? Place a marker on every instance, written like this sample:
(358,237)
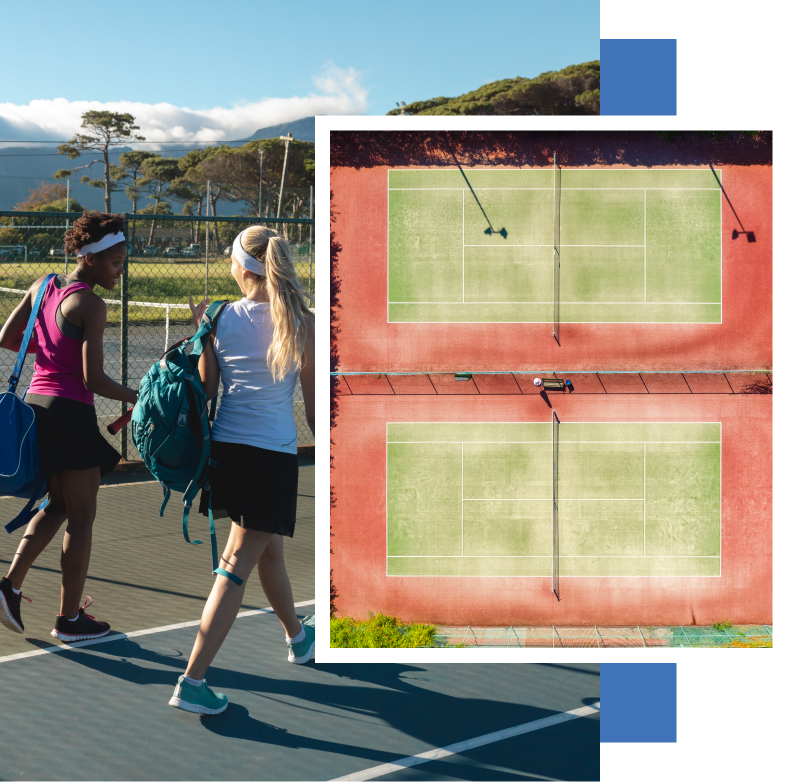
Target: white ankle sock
(298,638)
(16,591)
(195,682)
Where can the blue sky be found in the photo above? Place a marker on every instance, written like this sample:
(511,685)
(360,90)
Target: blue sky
(276,59)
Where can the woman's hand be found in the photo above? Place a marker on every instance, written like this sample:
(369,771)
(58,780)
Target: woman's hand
(198,310)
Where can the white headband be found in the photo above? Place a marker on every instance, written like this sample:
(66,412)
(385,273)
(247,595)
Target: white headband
(247,261)
(108,241)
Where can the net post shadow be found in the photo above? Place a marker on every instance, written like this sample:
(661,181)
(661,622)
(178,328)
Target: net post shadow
(489,231)
(736,234)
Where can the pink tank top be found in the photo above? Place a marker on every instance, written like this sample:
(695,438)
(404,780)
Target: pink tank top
(58,367)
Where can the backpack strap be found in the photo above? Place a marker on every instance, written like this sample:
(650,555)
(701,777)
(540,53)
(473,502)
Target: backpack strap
(212,315)
(31,322)
(227,574)
(207,324)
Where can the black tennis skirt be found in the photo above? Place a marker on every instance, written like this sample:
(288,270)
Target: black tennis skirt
(255,487)
(68,435)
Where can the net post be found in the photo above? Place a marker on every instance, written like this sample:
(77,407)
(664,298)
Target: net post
(555,424)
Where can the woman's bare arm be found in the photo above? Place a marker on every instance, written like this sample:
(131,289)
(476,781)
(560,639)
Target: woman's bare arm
(209,369)
(14,328)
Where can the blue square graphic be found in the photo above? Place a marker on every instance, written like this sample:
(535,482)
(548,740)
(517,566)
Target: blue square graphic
(638,76)
(638,702)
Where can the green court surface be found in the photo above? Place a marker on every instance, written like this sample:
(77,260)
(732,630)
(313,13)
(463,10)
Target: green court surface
(476,499)
(478,246)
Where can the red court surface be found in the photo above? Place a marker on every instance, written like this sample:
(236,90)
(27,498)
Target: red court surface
(364,405)
(363,340)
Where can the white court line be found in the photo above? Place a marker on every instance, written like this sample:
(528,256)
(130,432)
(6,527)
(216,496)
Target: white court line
(504,189)
(579,303)
(550,245)
(463,746)
(645,199)
(135,634)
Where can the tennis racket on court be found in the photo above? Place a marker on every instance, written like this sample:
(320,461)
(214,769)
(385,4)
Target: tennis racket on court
(119,423)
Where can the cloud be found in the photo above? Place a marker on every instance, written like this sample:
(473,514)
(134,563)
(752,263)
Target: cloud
(337,91)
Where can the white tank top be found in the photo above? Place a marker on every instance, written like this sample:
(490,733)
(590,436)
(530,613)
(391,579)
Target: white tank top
(253,409)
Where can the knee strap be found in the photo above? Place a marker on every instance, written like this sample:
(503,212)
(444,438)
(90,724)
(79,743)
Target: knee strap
(227,574)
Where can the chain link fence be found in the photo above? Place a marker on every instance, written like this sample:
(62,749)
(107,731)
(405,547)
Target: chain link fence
(170,257)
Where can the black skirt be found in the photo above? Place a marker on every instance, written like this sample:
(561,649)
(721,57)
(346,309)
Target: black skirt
(255,487)
(68,435)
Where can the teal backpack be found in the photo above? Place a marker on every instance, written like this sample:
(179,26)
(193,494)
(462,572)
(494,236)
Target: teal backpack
(170,425)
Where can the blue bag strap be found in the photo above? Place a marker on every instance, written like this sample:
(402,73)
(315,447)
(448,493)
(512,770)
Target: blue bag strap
(31,322)
(27,513)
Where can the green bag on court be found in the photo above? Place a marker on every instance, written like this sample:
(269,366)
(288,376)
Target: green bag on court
(170,424)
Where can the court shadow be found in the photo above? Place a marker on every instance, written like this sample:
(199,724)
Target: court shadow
(360,699)
(736,234)
(489,231)
(546,398)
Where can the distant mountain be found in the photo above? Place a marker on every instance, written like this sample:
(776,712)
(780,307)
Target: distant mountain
(24,168)
(572,90)
(302,130)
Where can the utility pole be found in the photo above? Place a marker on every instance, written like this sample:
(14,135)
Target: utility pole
(68,209)
(260,196)
(287,139)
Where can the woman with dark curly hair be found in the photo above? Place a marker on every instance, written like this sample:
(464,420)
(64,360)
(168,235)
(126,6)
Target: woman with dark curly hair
(69,369)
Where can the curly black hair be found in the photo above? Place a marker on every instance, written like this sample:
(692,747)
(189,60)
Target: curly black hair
(90,228)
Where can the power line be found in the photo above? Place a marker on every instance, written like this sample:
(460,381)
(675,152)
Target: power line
(146,141)
(56,154)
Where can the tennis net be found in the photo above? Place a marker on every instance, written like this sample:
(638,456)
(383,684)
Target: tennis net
(556,246)
(556,423)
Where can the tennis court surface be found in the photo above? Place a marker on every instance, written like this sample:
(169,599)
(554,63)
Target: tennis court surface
(477,499)
(446,508)
(585,246)
(525,251)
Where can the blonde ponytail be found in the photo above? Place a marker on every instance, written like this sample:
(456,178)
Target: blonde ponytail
(290,311)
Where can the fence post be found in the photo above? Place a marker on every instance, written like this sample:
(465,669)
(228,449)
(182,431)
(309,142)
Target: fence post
(311,233)
(207,234)
(124,341)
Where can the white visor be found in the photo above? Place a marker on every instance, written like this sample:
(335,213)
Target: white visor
(108,241)
(247,261)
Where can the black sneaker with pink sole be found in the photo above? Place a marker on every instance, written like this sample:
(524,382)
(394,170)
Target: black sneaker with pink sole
(10,607)
(83,628)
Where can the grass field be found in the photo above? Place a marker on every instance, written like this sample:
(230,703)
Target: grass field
(633,245)
(634,499)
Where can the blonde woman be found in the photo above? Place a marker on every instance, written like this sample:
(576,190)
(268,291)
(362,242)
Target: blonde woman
(259,347)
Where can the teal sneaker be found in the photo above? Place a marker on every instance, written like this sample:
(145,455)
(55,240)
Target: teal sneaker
(200,700)
(302,652)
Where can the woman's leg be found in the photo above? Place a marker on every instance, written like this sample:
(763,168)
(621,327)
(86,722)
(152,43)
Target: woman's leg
(80,492)
(241,554)
(39,532)
(276,585)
